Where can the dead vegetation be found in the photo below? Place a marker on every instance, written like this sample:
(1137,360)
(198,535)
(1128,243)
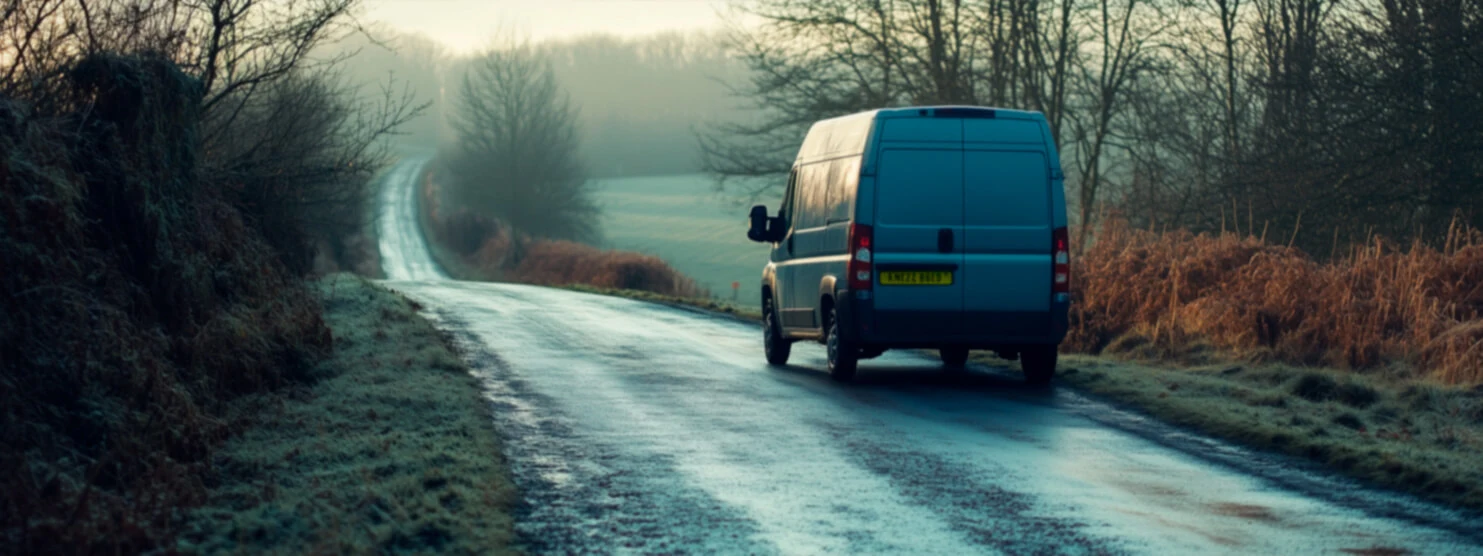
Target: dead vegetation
(563,263)
(1368,363)
(1199,298)
(135,304)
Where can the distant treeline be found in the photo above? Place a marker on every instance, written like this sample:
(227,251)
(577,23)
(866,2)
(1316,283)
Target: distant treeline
(638,99)
(1320,122)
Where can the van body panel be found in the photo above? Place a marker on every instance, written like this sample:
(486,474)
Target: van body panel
(792,312)
(916,327)
(919,193)
(823,203)
(1003,130)
(927,298)
(865,201)
(842,136)
(923,130)
(1007,230)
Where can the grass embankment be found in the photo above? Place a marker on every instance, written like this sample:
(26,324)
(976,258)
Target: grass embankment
(1369,363)
(390,449)
(1416,437)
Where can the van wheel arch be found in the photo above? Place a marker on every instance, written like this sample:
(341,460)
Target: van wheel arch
(827,288)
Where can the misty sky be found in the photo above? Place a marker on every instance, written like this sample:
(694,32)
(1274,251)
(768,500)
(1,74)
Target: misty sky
(465,25)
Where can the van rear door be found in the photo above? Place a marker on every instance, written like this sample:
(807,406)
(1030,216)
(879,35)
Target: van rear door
(1007,236)
(918,231)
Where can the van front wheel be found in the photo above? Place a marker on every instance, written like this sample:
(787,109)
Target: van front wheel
(1039,363)
(774,344)
(843,354)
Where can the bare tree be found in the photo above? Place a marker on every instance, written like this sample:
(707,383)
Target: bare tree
(808,60)
(815,60)
(1122,31)
(280,136)
(516,157)
(298,157)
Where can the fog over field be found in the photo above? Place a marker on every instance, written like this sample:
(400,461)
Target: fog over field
(640,97)
(465,26)
(641,94)
(701,235)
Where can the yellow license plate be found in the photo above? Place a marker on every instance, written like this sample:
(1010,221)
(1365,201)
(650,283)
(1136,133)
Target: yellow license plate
(917,278)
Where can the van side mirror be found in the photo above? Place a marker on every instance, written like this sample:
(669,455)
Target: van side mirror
(758,230)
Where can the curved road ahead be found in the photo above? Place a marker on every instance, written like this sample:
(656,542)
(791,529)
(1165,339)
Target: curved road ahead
(639,428)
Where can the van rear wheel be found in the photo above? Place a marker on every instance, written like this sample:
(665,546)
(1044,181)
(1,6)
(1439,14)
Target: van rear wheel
(954,358)
(1039,363)
(774,344)
(844,356)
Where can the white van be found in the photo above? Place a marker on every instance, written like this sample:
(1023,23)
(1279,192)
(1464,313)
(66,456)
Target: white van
(927,227)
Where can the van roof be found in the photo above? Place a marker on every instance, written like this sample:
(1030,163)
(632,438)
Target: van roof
(847,135)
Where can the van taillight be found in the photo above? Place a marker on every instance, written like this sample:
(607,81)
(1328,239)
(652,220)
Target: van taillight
(859,267)
(1061,257)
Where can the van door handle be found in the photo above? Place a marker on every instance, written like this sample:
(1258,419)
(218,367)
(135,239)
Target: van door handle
(945,240)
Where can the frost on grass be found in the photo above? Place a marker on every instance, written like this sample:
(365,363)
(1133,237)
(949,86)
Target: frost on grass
(1417,437)
(392,451)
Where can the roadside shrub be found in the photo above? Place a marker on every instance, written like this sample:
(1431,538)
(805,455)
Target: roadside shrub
(280,136)
(560,263)
(296,157)
(1378,305)
(134,304)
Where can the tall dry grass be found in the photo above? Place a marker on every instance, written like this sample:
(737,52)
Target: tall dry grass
(562,263)
(1179,294)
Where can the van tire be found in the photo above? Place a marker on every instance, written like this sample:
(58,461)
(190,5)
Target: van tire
(843,355)
(954,358)
(774,344)
(1039,363)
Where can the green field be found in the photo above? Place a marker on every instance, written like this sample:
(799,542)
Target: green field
(682,220)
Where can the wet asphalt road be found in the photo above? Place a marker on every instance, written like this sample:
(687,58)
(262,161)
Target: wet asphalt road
(639,428)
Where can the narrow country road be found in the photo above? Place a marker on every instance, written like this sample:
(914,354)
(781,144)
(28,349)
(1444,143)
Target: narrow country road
(640,428)
(404,253)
